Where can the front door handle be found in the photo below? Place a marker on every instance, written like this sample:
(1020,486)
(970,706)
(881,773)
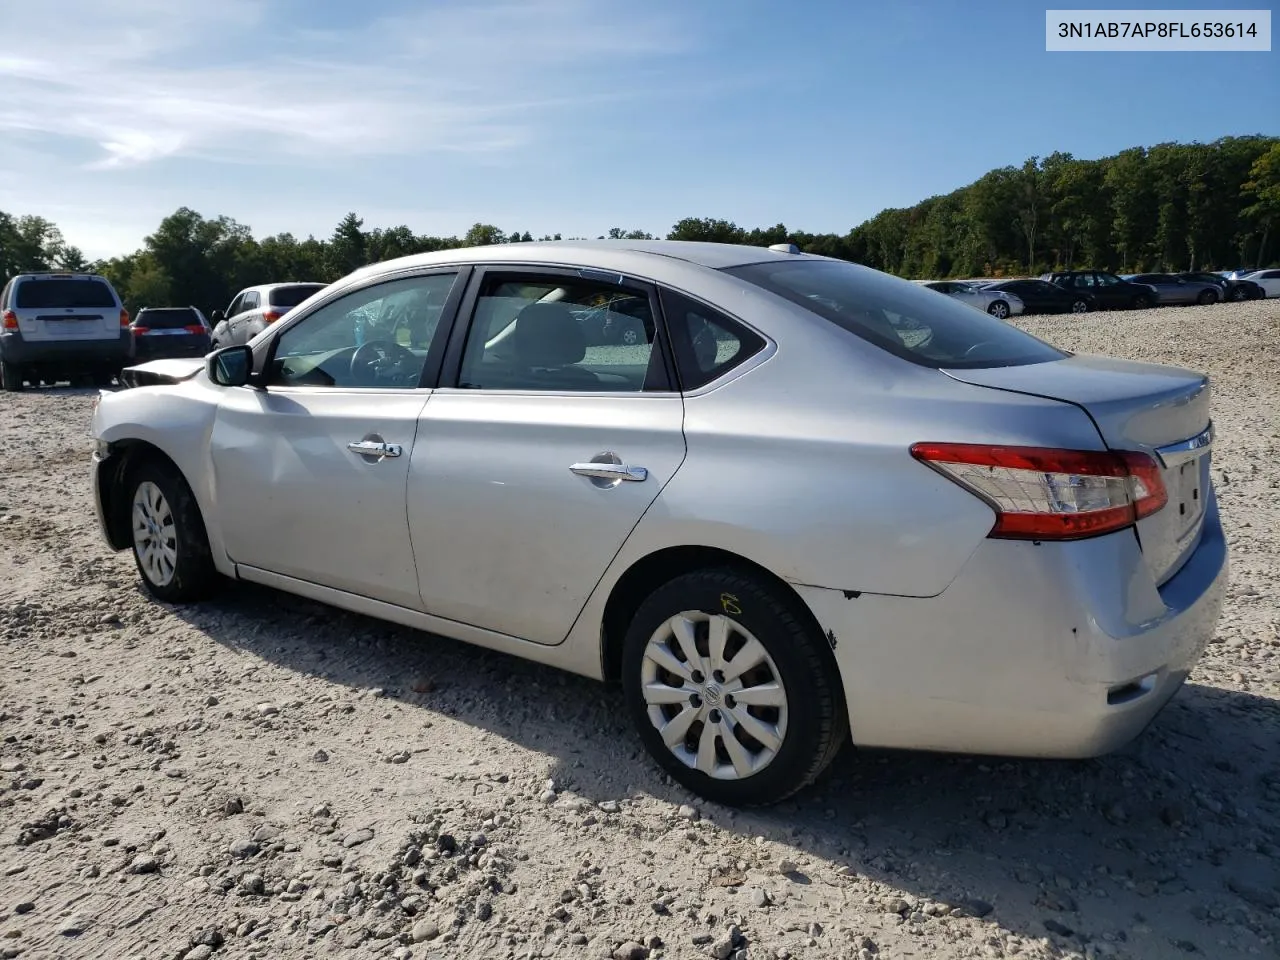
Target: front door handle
(609,471)
(375,448)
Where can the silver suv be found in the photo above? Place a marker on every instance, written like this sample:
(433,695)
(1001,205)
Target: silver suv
(256,308)
(61,326)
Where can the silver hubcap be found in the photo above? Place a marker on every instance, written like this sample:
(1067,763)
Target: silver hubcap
(999,310)
(630,337)
(714,695)
(1079,307)
(155,539)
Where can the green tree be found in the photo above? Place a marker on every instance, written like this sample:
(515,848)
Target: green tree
(708,230)
(1263,188)
(483,235)
(348,247)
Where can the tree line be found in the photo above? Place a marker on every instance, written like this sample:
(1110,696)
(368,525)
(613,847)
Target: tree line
(1168,207)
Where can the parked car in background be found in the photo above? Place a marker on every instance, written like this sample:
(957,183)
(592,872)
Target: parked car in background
(1267,280)
(814,499)
(1000,305)
(1109,291)
(1041,296)
(255,308)
(1174,291)
(61,326)
(160,332)
(1231,289)
(1240,273)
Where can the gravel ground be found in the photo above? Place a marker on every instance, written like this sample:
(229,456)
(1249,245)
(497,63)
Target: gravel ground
(267,777)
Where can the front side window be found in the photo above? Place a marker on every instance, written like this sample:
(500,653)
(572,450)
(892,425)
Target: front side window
(250,302)
(897,315)
(1108,280)
(376,337)
(560,333)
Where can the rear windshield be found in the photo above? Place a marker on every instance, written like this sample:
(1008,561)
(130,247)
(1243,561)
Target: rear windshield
(63,292)
(904,318)
(293,295)
(167,318)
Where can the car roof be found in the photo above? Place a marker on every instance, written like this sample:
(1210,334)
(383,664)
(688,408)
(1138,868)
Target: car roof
(614,254)
(265,287)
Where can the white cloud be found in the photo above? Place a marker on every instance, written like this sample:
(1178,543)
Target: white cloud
(141,80)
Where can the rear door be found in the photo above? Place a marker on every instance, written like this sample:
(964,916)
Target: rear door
(241,325)
(540,452)
(65,307)
(1160,410)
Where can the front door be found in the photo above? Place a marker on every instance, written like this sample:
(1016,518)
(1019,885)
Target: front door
(540,452)
(310,473)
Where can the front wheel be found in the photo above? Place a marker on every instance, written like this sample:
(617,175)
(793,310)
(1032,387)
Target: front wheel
(999,309)
(1206,297)
(170,546)
(1080,306)
(730,689)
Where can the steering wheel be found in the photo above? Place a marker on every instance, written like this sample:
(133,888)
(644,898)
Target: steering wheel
(379,360)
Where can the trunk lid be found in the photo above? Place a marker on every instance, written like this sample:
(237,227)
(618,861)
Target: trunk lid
(1155,409)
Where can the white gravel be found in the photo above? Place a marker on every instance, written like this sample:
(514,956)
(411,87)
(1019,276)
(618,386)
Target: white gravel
(266,777)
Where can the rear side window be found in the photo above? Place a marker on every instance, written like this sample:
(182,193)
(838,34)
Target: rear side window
(707,343)
(291,296)
(899,316)
(63,292)
(167,318)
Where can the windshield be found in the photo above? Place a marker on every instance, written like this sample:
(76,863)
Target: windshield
(63,292)
(294,294)
(904,318)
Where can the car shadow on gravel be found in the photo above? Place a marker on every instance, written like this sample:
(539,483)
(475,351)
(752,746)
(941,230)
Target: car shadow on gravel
(1138,850)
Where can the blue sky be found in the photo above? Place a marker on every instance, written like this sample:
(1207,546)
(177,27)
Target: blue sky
(566,116)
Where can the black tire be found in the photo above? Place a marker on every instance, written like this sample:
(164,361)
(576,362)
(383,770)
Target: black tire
(102,378)
(10,376)
(194,576)
(999,309)
(817,723)
(1206,297)
(1080,305)
(1141,302)
(1238,294)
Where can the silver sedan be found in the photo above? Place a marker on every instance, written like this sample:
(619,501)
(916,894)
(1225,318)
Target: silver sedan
(1172,291)
(811,503)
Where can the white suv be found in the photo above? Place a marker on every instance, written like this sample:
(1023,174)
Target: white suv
(256,308)
(61,326)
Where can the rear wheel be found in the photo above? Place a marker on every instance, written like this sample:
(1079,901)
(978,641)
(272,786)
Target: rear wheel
(102,378)
(730,689)
(1239,293)
(170,545)
(10,376)
(1141,302)
(999,309)
(1080,305)
(1206,297)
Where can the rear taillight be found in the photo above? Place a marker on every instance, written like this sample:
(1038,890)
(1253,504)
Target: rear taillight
(1041,493)
(139,331)
(124,317)
(193,328)
(271,316)
(10,320)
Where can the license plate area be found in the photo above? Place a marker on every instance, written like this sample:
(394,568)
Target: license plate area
(1187,495)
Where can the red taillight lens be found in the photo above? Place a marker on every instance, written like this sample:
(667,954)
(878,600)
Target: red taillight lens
(1041,493)
(271,316)
(139,331)
(10,320)
(124,317)
(193,328)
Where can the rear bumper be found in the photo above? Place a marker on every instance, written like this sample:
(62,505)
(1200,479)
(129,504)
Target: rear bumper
(87,354)
(1051,650)
(164,348)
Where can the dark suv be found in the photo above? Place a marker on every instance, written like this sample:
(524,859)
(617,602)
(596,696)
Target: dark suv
(163,332)
(61,326)
(1108,291)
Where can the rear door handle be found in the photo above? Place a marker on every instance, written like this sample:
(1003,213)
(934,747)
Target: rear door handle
(610,471)
(375,448)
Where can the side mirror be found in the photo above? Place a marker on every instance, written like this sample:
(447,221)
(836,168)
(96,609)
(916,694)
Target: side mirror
(231,366)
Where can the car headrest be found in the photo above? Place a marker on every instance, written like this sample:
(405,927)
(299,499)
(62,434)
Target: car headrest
(548,335)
